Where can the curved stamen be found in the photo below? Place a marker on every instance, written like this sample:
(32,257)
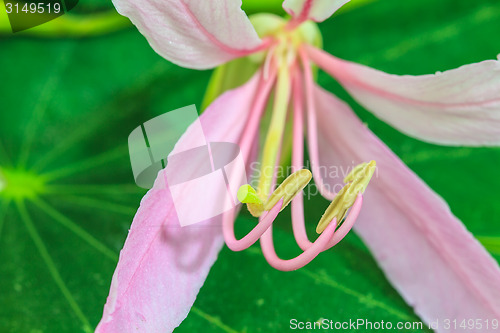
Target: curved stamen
(326,240)
(266,242)
(268,60)
(247,137)
(298,223)
(261,99)
(312,133)
(267,245)
(347,225)
(264,224)
(350,197)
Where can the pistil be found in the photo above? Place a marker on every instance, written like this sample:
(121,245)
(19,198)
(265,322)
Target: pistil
(276,128)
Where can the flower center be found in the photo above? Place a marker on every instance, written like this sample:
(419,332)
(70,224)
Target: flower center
(285,41)
(287,85)
(283,57)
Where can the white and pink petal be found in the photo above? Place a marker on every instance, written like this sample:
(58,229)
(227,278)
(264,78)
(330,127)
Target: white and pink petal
(316,10)
(456,107)
(428,255)
(192,33)
(162,265)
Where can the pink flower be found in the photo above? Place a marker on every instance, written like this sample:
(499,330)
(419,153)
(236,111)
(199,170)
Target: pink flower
(425,251)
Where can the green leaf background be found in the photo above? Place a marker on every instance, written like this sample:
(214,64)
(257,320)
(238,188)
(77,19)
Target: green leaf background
(67,106)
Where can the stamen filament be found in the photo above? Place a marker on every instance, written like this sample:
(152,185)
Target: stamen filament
(312,133)
(326,240)
(261,97)
(251,130)
(298,221)
(279,64)
(266,242)
(264,224)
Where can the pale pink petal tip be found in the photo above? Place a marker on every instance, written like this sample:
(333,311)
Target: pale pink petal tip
(316,10)
(193,33)
(456,107)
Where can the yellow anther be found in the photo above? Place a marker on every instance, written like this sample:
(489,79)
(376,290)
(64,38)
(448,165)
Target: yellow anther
(361,176)
(357,181)
(335,209)
(289,188)
(354,173)
(255,209)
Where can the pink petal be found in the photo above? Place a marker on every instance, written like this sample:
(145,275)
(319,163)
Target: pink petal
(162,266)
(457,107)
(316,10)
(193,33)
(426,252)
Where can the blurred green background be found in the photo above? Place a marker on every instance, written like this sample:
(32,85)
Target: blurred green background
(72,90)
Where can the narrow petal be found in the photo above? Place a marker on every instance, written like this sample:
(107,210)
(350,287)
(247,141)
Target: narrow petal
(192,33)
(425,251)
(316,10)
(456,107)
(162,266)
